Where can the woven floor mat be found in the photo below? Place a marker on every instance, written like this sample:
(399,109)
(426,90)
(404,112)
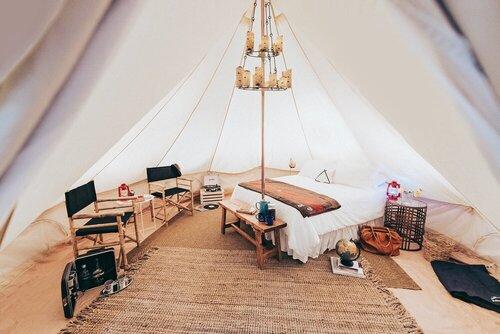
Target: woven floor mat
(189,290)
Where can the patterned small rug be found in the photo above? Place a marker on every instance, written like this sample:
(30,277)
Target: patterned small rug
(187,290)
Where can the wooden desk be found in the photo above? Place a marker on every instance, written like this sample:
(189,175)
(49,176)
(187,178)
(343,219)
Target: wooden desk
(259,229)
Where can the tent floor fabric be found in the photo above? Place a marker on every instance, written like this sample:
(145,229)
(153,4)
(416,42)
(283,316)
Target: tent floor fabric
(192,290)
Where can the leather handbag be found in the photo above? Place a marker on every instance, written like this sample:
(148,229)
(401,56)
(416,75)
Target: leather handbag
(380,240)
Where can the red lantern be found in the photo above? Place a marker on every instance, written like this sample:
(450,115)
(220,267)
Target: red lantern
(124,191)
(393,191)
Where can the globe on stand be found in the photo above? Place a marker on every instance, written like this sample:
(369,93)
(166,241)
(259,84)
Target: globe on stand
(348,252)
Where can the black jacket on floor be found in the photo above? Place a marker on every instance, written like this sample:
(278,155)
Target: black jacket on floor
(470,283)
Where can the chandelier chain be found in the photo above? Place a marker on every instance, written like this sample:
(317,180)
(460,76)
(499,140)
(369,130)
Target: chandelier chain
(252,20)
(268,19)
(267,51)
(253,15)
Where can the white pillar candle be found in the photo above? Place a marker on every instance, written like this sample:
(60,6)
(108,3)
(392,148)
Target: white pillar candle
(264,43)
(246,78)
(283,83)
(239,76)
(278,45)
(288,74)
(273,80)
(258,78)
(250,41)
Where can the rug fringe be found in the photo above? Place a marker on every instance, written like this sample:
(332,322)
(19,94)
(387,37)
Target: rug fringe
(86,313)
(409,323)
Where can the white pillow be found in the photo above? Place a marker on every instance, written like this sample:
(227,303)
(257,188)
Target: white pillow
(354,175)
(313,168)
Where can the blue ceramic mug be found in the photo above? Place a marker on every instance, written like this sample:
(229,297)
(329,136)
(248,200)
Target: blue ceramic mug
(269,220)
(263,207)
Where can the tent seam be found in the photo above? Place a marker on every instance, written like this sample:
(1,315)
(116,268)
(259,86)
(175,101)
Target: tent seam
(221,130)
(225,118)
(315,72)
(202,95)
(292,91)
(153,118)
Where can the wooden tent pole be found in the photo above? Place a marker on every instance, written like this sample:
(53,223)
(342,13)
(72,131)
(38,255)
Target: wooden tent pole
(262,94)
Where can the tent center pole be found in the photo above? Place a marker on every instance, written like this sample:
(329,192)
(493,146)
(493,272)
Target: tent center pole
(262,95)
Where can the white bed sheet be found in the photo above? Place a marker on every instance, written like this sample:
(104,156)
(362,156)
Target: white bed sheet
(310,236)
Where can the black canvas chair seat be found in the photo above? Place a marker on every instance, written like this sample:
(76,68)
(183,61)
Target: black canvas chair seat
(81,197)
(176,196)
(170,192)
(102,230)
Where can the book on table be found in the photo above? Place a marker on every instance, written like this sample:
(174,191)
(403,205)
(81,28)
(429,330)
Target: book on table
(338,268)
(247,209)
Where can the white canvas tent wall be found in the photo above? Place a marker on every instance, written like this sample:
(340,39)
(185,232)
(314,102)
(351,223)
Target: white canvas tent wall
(370,84)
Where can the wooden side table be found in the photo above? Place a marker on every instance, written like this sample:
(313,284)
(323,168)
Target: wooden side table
(407,217)
(259,229)
(139,209)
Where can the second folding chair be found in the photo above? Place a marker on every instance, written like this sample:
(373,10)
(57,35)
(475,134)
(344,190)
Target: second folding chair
(179,196)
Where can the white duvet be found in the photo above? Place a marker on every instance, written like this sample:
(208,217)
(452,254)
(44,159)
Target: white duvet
(303,235)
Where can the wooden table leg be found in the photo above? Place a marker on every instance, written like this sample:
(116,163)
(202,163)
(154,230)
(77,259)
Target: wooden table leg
(259,249)
(277,242)
(223,221)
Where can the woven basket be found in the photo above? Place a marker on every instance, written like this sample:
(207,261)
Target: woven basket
(437,246)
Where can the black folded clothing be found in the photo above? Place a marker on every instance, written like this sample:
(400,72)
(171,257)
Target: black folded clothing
(470,283)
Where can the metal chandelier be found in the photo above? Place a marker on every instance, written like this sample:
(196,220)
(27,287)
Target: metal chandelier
(268,49)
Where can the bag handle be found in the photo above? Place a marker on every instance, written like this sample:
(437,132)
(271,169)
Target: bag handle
(375,236)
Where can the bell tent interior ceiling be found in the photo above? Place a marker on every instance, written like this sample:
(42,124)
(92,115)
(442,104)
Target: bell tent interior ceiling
(103,91)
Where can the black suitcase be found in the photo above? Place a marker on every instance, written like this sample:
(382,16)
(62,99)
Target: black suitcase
(86,272)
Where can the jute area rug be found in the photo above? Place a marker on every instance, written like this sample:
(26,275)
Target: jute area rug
(203,231)
(188,290)
(391,274)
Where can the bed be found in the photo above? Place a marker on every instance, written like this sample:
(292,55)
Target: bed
(306,237)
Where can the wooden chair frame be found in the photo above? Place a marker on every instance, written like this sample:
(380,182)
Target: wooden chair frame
(98,239)
(180,182)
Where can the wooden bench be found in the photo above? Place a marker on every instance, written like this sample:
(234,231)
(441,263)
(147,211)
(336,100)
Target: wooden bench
(259,230)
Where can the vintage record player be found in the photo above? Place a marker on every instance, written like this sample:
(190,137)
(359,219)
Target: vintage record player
(211,193)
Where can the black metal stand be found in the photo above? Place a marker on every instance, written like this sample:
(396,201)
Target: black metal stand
(407,217)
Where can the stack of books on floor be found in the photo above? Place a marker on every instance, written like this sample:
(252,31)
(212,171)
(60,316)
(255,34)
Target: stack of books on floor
(339,269)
